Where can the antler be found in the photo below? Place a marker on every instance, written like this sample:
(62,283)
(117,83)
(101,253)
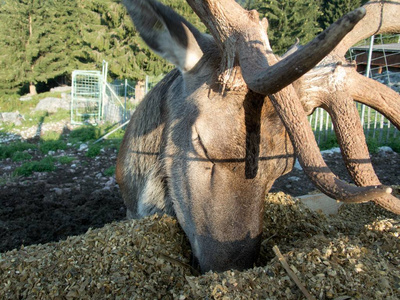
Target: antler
(334,84)
(240,34)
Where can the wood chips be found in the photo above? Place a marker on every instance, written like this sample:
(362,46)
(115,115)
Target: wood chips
(352,255)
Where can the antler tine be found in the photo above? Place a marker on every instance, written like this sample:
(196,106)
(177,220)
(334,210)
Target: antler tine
(268,80)
(381,17)
(311,159)
(354,148)
(376,95)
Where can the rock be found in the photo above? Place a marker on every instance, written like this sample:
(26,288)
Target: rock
(331,151)
(110,182)
(58,191)
(26,98)
(61,89)
(52,104)
(293,178)
(385,149)
(321,202)
(83,147)
(11,117)
(297,165)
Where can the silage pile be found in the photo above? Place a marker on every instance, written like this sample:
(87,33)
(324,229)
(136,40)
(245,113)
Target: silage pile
(355,254)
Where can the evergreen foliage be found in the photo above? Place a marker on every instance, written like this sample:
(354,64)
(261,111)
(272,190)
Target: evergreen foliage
(43,40)
(288,20)
(332,10)
(46,40)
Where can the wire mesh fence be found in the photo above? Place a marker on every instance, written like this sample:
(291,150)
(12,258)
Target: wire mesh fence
(86,96)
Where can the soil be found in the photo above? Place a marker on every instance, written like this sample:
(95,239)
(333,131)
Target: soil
(50,206)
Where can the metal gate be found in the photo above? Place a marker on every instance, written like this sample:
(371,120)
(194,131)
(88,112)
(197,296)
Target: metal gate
(86,97)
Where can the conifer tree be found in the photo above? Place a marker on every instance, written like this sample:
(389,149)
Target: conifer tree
(42,40)
(333,10)
(288,20)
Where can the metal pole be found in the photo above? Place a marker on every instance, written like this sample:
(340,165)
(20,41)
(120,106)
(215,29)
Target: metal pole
(126,86)
(371,46)
(111,132)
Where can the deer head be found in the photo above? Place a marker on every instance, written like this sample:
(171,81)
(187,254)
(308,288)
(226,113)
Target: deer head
(210,139)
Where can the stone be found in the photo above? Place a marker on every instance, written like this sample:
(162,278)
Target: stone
(11,117)
(322,203)
(52,104)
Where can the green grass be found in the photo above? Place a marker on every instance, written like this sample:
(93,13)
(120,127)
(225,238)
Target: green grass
(94,150)
(50,136)
(329,141)
(10,103)
(44,165)
(85,134)
(20,156)
(65,160)
(46,146)
(109,171)
(8,151)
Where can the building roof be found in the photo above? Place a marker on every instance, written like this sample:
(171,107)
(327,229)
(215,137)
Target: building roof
(384,47)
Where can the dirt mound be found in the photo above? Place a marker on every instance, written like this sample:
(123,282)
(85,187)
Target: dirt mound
(355,254)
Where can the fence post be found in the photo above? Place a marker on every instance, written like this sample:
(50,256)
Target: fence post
(125,90)
(104,82)
(371,46)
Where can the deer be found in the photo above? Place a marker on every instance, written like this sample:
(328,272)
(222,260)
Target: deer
(209,140)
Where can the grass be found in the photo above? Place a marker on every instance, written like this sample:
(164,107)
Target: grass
(94,150)
(85,134)
(329,141)
(46,146)
(7,151)
(109,171)
(51,136)
(44,165)
(65,160)
(20,156)
(10,103)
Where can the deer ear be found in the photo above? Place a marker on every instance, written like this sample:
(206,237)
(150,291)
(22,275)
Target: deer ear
(167,33)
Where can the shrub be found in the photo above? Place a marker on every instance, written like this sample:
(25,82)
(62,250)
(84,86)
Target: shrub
(44,165)
(373,145)
(329,142)
(395,145)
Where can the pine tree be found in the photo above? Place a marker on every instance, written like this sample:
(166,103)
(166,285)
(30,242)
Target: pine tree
(43,40)
(289,20)
(333,10)
(40,41)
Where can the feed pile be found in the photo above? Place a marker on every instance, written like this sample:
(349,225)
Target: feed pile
(353,255)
